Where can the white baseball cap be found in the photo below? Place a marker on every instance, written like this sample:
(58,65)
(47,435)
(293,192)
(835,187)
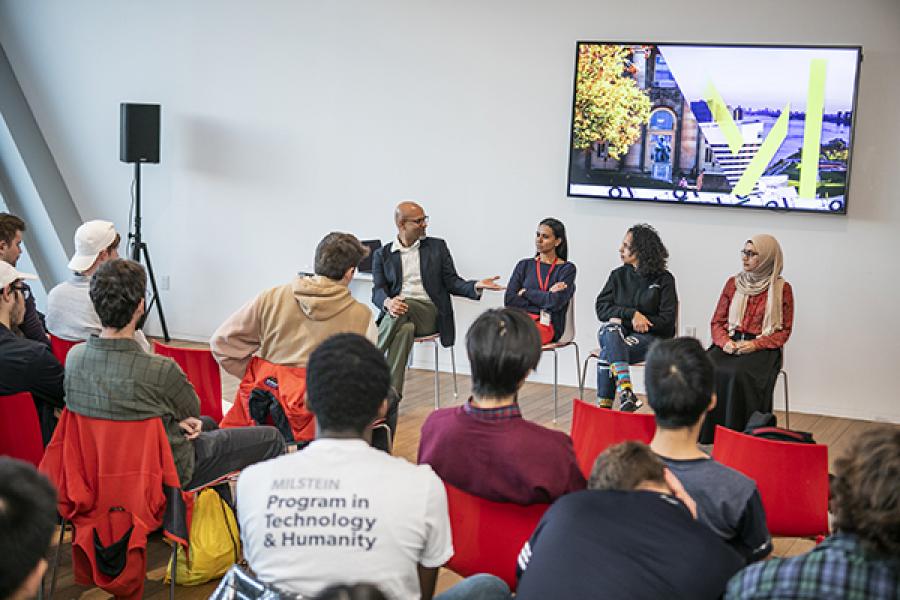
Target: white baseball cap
(91,239)
(8,274)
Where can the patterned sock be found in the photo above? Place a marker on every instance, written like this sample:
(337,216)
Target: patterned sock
(622,375)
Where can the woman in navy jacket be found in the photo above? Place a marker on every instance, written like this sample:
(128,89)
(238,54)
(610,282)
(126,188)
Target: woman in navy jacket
(543,285)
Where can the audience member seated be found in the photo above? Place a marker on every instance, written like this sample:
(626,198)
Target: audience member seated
(268,341)
(70,312)
(637,306)
(631,534)
(413,278)
(111,377)
(485,447)
(26,365)
(679,379)
(753,321)
(32,325)
(27,522)
(862,558)
(543,285)
(340,511)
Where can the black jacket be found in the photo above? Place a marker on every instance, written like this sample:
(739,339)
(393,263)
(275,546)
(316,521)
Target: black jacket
(654,296)
(439,278)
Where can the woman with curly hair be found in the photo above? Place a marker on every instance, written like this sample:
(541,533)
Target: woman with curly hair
(753,320)
(543,285)
(637,306)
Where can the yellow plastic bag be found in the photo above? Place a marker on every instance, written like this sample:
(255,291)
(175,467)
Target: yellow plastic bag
(215,543)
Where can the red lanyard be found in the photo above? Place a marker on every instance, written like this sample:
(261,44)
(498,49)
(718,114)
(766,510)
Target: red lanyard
(537,267)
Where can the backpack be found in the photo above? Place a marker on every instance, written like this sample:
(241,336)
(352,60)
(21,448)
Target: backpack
(765,425)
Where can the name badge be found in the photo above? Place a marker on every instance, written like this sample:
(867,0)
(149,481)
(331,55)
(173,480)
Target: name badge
(545,318)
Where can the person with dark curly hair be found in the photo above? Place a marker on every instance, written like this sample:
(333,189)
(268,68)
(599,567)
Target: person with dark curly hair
(637,306)
(860,560)
(543,285)
(752,322)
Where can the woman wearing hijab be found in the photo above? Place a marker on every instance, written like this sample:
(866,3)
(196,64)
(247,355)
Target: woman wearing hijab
(753,320)
(543,285)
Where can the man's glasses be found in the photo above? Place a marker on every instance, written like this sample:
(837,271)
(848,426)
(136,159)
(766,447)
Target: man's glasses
(749,253)
(420,221)
(26,291)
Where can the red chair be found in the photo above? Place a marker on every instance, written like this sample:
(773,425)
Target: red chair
(116,480)
(594,429)
(202,371)
(792,479)
(20,428)
(488,536)
(61,347)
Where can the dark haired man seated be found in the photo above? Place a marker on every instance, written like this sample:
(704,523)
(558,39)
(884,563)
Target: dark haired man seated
(340,511)
(680,383)
(631,534)
(862,558)
(111,377)
(27,521)
(485,447)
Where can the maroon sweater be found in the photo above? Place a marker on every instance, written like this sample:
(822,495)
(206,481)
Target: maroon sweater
(501,458)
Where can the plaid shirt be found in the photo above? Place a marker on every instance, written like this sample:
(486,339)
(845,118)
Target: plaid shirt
(115,379)
(503,413)
(836,568)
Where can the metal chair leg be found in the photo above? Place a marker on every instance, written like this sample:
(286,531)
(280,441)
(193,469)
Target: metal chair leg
(53,569)
(453,364)
(437,381)
(787,405)
(174,570)
(555,387)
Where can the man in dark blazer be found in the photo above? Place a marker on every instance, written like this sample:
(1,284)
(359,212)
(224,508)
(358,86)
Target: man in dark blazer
(413,279)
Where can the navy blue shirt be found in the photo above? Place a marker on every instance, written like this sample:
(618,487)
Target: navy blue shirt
(534,299)
(614,544)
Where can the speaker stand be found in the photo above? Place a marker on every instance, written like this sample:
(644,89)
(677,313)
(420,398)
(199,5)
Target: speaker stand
(139,248)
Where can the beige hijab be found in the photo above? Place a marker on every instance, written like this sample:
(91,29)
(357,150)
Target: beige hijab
(752,283)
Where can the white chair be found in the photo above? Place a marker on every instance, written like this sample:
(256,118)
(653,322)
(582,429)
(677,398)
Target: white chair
(566,339)
(435,339)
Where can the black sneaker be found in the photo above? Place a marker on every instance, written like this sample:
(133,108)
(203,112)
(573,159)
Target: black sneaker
(628,402)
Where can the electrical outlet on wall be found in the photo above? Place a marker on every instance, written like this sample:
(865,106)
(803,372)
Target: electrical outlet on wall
(164,283)
(690,331)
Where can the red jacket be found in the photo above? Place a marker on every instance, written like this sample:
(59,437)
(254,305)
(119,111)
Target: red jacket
(110,476)
(287,384)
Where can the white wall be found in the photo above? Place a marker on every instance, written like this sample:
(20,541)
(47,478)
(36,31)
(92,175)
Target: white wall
(284,120)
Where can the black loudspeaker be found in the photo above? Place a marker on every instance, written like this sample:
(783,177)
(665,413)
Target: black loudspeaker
(139,133)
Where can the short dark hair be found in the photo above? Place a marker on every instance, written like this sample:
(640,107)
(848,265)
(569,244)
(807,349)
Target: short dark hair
(9,225)
(648,247)
(559,231)
(680,380)
(337,252)
(117,288)
(27,521)
(347,379)
(503,345)
(359,591)
(624,466)
(866,496)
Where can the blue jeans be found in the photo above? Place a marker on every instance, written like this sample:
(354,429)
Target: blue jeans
(478,587)
(615,346)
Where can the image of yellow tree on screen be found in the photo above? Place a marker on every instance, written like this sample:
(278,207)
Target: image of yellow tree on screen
(610,106)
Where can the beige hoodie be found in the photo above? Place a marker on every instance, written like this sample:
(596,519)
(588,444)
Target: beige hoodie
(285,324)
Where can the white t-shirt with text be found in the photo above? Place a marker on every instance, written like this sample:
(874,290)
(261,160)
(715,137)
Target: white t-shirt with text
(340,511)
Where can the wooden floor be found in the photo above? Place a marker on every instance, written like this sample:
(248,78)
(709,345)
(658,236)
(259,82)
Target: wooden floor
(536,401)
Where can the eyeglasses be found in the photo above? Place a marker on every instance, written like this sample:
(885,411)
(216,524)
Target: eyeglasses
(420,221)
(26,291)
(749,253)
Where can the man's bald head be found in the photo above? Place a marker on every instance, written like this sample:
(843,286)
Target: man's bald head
(411,222)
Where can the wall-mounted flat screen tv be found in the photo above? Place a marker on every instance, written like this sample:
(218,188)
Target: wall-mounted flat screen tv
(724,125)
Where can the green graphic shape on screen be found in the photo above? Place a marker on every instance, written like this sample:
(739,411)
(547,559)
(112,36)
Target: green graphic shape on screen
(812,129)
(812,134)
